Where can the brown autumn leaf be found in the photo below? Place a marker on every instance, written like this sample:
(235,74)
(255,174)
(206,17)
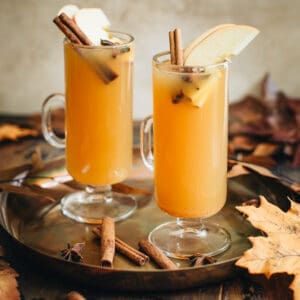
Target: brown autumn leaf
(14,132)
(273,118)
(279,250)
(8,283)
(245,166)
(237,170)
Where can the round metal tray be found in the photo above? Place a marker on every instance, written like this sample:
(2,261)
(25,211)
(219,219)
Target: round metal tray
(41,239)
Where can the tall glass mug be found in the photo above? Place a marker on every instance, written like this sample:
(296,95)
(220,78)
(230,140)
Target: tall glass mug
(98,109)
(190,116)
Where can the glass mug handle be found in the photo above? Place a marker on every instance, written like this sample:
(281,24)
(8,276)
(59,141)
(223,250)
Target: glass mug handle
(146,137)
(47,130)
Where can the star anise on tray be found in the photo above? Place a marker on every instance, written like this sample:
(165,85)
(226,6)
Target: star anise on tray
(201,260)
(73,253)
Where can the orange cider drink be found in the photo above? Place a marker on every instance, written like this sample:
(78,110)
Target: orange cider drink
(190,137)
(98,83)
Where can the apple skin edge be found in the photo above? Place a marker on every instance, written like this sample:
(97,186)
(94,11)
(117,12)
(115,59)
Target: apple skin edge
(218,44)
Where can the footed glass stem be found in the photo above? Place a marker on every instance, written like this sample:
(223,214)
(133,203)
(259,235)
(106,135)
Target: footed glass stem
(91,205)
(184,238)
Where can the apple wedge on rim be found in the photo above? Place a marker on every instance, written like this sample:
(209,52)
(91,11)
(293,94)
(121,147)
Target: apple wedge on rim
(219,44)
(215,47)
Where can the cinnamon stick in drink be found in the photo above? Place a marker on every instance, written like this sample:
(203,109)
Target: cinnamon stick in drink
(158,256)
(172,47)
(77,37)
(178,47)
(107,250)
(66,31)
(105,73)
(131,253)
(75,29)
(176,53)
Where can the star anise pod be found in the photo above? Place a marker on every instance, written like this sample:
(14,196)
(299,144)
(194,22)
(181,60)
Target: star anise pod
(73,253)
(201,260)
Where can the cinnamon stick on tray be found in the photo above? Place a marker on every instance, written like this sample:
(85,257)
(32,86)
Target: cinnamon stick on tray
(70,29)
(107,250)
(131,253)
(159,257)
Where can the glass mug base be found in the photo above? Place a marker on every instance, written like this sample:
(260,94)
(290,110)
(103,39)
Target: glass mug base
(91,206)
(183,239)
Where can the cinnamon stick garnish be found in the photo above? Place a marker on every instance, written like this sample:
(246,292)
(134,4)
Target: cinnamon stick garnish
(75,29)
(172,47)
(159,257)
(107,250)
(77,37)
(133,254)
(176,50)
(105,73)
(176,53)
(178,47)
(66,31)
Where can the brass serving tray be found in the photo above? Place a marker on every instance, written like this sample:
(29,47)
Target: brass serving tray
(41,238)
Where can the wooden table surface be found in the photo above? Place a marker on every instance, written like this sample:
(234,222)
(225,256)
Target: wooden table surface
(36,283)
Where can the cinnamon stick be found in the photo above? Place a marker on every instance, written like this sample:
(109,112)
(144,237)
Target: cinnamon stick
(172,47)
(107,250)
(133,254)
(66,31)
(105,73)
(176,50)
(77,37)
(176,53)
(159,257)
(178,47)
(75,29)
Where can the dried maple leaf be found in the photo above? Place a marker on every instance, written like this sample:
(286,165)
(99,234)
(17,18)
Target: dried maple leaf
(279,251)
(14,132)
(8,283)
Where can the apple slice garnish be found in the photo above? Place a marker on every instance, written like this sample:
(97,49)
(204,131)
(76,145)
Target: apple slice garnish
(93,22)
(214,46)
(70,10)
(219,44)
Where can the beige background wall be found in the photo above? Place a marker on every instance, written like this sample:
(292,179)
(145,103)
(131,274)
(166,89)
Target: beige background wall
(31,60)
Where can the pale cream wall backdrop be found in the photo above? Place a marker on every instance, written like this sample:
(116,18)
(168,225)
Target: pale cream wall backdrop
(31,60)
